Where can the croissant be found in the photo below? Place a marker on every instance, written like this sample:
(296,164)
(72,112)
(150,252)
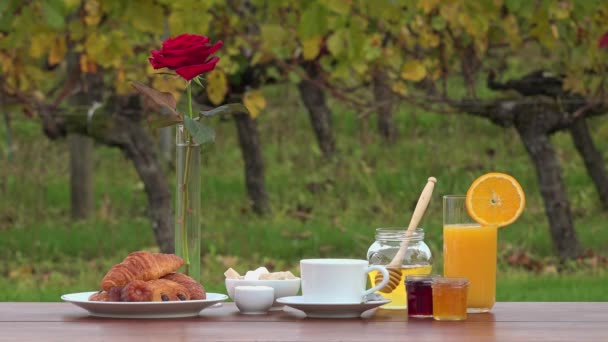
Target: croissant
(196,290)
(101,296)
(140,266)
(154,291)
(113,295)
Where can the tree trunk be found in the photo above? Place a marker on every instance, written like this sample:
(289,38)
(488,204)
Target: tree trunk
(385,98)
(81,146)
(254,163)
(81,176)
(121,126)
(592,158)
(552,189)
(320,115)
(139,147)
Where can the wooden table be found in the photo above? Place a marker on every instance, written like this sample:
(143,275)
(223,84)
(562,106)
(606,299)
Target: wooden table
(507,322)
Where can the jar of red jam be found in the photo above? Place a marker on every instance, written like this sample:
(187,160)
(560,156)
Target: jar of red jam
(419,290)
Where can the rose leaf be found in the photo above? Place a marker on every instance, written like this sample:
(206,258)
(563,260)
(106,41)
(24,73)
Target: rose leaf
(200,133)
(227,109)
(164,103)
(164,121)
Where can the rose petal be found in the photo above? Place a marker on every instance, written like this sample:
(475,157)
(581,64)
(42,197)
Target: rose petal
(184,40)
(196,48)
(191,71)
(174,61)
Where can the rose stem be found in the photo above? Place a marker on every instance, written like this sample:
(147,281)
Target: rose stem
(184,187)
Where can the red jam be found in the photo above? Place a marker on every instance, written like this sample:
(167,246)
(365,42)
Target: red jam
(419,296)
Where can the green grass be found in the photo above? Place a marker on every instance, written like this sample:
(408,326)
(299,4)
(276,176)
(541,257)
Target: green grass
(369,185)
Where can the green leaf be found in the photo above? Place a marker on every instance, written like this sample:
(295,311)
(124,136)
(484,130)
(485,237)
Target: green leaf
(227,109)
(313,22)
(438,23)
(272,36)
(163,121)
(294,78)
(336,43)
(7,7)
(341,7)
(53,13)
(514,6)
(197,80)
(201,133)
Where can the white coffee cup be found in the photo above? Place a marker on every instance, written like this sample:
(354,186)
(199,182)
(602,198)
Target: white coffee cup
(338,280)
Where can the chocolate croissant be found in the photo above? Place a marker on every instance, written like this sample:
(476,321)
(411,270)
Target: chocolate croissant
(154,291)
(196,290)
(140,266)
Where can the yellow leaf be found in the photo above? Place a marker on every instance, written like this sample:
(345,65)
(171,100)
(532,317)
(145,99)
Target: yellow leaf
(255,102)
(429,39)
(217,86)
(413,71)
(58,51)
(399,88)
(92,9)
(21,273)
(311,48)
(361,68)
(145,17)
(87,64)
(428,5)
(6,63)
(560,10)
(555,31)
(40,44)
(574,83)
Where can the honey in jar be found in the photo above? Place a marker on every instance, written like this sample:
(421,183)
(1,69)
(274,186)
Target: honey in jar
(450,298)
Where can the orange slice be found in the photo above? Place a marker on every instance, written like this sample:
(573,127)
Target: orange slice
(495,199)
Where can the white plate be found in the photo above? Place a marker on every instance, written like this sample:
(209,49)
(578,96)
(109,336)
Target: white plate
(331,310)
(187,308)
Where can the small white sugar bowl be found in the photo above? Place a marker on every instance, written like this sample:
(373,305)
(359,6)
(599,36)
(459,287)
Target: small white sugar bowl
(253,300)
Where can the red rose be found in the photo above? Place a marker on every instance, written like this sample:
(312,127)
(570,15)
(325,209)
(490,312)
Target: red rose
(189,55)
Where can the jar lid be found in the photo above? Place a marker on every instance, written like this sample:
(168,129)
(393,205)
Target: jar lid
(399,234)
(451,281)
(420,279)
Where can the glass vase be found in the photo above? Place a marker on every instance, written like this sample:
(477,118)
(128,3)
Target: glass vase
(188,203)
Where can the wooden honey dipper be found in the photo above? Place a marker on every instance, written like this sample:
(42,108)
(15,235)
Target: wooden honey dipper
(394,267)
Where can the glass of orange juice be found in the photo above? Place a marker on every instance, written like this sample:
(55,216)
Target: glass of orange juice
(469,251)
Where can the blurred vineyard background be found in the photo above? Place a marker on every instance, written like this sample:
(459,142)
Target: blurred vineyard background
(353,104)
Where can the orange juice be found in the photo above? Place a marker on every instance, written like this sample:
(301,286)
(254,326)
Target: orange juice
(469,251)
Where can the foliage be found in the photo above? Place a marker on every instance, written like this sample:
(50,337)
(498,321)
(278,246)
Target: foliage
(414,41)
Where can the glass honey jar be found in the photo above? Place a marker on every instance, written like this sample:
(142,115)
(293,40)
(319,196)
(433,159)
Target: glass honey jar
(417,260)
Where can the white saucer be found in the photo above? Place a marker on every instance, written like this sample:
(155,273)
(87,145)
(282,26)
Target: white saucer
(331,310)
(187,308)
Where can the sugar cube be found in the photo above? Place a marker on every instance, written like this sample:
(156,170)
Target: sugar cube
(231,274)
